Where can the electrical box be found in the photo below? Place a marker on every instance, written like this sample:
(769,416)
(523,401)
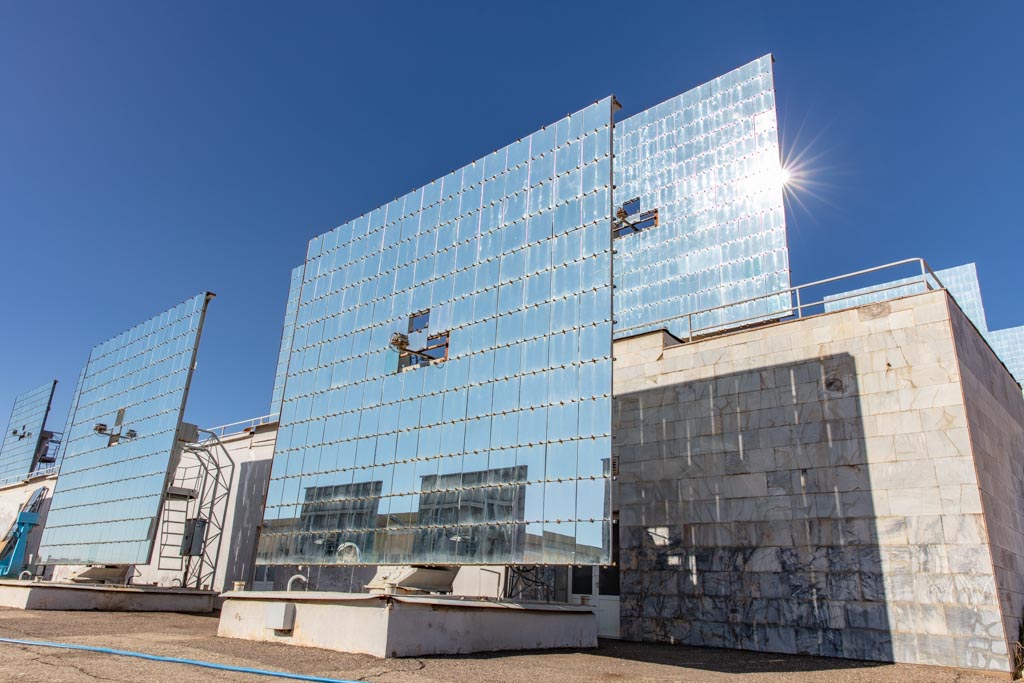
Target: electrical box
(193,537)
(188,432)
(280,616)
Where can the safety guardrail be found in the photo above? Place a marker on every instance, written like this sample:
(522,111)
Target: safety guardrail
(242,425)
(35,474)
(797,305)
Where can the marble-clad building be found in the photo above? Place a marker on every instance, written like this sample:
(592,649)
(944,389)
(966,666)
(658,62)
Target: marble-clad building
(964,286)
(841,485)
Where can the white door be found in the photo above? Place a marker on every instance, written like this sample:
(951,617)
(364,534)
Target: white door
(608,616)
(597,586)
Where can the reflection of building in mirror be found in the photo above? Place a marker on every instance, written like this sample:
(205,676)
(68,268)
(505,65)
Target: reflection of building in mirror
(472,517)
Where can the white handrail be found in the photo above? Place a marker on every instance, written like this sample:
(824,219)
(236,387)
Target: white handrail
(798,309)
(35,474)
(242,425)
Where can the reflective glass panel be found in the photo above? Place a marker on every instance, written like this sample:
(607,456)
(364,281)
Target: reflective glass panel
(707,164)
(447,393)
(1008,344)
(286,339)
(119,443)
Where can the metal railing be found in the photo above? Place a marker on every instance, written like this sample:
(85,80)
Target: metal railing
(796,305)
(35,474)
(45,471)
(12,480)
(242,425)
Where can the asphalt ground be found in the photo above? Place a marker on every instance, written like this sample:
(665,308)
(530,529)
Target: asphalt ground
(191,636)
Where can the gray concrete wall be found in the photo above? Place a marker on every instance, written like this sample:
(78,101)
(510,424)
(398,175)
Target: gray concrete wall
(806,487)
(995,418)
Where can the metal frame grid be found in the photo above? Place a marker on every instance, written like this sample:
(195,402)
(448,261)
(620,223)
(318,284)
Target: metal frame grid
(498,453)
(24,432)
(113,478)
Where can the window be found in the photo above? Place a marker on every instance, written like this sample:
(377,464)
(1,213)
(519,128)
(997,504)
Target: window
(408,360)
(629,219)
(583,580)
(437,347)
(435,351)
(419,321)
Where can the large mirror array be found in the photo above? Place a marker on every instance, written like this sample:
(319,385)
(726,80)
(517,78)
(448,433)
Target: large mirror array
(119,443)
(699,182)
(24,436)
(447,397)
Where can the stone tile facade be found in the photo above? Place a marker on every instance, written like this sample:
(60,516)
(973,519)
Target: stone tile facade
(810,487)
(996,422)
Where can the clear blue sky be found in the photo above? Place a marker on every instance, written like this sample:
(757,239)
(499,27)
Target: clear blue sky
(149,151)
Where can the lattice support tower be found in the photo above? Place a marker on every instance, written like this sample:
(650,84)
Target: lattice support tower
(201,489)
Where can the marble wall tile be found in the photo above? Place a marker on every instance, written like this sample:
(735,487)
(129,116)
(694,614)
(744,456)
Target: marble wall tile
(819,487)
(995,417)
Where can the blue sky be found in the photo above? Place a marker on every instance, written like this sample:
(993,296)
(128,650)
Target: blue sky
(151,151)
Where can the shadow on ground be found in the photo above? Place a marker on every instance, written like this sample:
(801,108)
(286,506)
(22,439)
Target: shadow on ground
(710,659)
(722,660)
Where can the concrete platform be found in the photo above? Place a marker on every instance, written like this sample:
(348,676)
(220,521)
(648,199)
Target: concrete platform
(45,595)
(404,626)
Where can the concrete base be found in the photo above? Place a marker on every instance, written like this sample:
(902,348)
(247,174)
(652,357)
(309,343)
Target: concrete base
(404,626)
(69,596)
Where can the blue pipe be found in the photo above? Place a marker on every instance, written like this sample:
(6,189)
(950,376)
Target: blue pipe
(176,660)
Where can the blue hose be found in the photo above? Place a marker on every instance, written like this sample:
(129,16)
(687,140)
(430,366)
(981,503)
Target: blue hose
(175,660)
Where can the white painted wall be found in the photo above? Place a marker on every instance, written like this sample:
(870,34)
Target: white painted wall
(14,496)
(479,581)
